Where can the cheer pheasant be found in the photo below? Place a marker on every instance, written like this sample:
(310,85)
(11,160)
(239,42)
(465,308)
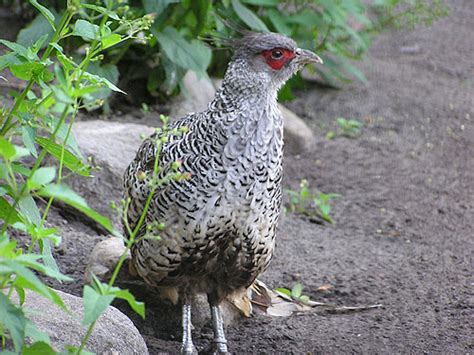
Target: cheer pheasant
(219,225)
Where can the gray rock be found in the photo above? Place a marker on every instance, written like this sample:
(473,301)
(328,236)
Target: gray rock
(114,333)
(197,93)
(104,258)
(298,136)
(113,144)
(110,146)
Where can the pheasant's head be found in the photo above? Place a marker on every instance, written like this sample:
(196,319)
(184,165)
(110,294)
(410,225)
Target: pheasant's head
(269,58)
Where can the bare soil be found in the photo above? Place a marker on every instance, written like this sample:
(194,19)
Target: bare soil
(404,226)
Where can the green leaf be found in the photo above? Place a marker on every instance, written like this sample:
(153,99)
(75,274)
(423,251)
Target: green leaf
(284,291)
(65,194)
(94,304)
(45,12)
(98,90)
(8,60)
(7,212)
(272,3)
(352,70)
(86,30)
(27,279)
(188,55)
(71,162)
(296,291)
(250,19)
(39,348)
(13,319)
(279,22)
(28,135)
(75,350)
(304,299)
(32,70)
(111,40)
(48,258)
(31,261)
(18,49)
(20,152)
(306,18)
(7,150)
(138,307)
(153,6)
(34,333)
(62,134)
(20,169)
(29,210)
(41,177)
(102,81)
(101,10)
(34,30)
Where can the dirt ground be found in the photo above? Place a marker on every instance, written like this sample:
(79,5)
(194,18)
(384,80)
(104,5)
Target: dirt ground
(404,226)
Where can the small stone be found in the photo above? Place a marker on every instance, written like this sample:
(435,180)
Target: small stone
(414,49)
(104,258)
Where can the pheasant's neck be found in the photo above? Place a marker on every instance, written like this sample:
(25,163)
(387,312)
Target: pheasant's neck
(252,123)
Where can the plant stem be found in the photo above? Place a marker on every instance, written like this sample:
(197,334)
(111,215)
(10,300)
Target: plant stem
(86,337)
(56,36)
(38,161)
(17,104)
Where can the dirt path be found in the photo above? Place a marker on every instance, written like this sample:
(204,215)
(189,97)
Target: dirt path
(404,232)
(404,235)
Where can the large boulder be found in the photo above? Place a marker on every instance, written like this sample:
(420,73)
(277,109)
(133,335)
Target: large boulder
(110,146)
(114,332)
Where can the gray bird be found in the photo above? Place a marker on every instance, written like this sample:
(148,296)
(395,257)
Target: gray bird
(218,226)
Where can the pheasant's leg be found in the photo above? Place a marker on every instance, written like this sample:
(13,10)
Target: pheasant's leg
(219,337)
(187,346)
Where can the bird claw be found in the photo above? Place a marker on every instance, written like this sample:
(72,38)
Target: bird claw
(189,349)
(215,348)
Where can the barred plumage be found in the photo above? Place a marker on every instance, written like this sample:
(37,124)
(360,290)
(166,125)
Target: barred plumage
(219,225)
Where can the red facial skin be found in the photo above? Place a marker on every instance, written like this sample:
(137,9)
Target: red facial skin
(274,60)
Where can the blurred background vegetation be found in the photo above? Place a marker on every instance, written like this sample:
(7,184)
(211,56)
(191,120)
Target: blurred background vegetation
(340,31)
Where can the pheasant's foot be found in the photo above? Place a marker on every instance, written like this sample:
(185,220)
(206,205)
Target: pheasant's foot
(220,342)
(187,346)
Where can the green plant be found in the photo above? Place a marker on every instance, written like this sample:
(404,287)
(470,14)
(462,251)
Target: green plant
(98,296)
(296,293)
(310,204)
(340,31)
(38,124)
(349,128)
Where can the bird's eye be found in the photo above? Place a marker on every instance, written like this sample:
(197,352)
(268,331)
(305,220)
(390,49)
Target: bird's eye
(277,54)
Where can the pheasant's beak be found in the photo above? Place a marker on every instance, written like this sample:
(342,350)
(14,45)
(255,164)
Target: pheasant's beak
(306,57)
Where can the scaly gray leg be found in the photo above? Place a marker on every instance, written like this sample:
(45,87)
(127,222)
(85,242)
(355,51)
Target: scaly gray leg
(219,337)
(187,347)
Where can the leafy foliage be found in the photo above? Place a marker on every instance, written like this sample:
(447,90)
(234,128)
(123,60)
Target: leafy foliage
(340,31)
(349,128)
(296,293)
(310,204)
(38,124)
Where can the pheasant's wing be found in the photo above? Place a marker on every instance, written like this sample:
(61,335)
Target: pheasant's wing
(138,174)
(136,187)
